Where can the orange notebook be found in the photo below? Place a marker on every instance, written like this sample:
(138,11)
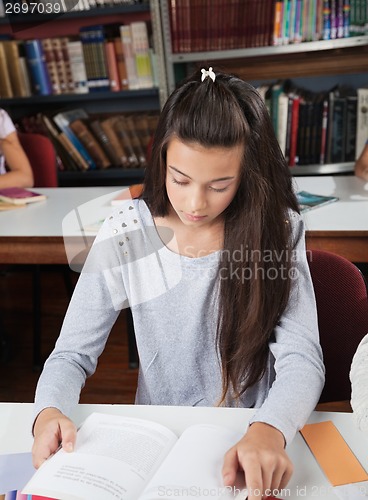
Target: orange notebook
(333,454)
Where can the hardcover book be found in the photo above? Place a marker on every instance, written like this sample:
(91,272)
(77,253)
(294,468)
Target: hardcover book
(308,201)
(20,196)
(37,67)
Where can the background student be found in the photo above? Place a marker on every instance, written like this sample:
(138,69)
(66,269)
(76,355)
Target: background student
(15,169)
(361,164)
(359,385)
(211,259)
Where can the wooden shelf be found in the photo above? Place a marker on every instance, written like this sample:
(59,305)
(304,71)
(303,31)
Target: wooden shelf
(71,98)
(246,52)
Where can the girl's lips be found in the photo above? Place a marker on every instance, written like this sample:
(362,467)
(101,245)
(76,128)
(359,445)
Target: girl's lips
(194,218)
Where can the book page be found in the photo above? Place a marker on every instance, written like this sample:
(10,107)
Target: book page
(114,457)
(193,467)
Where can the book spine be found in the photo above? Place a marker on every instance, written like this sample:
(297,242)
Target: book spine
(338,130)
(5,83)
(298,21)
(122,70)
(346,19)
(51,65)
(64,40)
(126,39)
(105,142)
(12,55)
(322,159)
(140,48)
(333,14)
(90,143)
(326,30)
(277,22)
(63,125)
(37,67)
(294,131)
(77,66)
(112,66)
(351,127)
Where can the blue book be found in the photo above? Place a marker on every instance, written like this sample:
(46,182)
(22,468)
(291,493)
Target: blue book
(63,120)
(37,67)
(308,201)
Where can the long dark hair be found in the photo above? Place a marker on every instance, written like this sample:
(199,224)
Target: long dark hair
(255,279)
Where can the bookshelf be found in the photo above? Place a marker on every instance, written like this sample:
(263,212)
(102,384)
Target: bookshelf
(271,63)
(67,24)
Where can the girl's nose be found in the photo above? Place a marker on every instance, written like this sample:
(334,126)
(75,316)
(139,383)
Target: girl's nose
(198,201)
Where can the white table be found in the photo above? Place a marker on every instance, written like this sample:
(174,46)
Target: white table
(16,421)
(341,227)
(34,235)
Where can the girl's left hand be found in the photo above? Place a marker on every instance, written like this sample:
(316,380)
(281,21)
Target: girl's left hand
(262,457)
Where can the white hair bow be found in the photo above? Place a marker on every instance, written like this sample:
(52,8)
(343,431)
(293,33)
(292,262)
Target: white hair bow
(209,73)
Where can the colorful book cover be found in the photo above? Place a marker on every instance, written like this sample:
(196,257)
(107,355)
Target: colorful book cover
(63,120)
(308,201)
(20,196)
(37,66)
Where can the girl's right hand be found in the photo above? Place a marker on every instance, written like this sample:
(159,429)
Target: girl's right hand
(52,429)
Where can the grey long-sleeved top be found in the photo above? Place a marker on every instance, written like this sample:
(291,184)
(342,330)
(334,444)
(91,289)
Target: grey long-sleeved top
(173,299)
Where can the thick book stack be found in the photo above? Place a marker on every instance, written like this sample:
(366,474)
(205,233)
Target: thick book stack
(104,58)
(87,142)
(317,128)
(222,25)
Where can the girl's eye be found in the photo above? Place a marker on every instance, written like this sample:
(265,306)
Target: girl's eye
(219,190)
(178,182)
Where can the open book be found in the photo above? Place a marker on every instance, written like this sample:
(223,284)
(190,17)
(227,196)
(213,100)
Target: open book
(126,458)
(308,201)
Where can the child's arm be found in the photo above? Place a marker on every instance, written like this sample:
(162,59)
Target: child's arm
(20,174)
(52,429)
(361,165)
(262,457)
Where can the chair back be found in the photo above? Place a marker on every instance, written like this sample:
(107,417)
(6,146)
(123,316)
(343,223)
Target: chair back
(42,157)
(342,306)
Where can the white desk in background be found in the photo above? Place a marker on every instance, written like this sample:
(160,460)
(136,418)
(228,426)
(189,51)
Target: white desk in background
(33,235)
(308,481)
(341,227)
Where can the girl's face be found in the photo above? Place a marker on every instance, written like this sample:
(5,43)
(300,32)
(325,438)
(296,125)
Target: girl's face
(201,182)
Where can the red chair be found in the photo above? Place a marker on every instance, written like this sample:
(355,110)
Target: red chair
(342,306)
(42,157)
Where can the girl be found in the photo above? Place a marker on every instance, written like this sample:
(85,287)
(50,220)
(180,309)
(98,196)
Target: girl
(361,164)
(18,172)
(359,385)
(211,260)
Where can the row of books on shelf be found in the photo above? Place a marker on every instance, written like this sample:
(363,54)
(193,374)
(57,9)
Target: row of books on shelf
(105,57)
(317,128)
(87,142)
(222,25)
(48,7)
